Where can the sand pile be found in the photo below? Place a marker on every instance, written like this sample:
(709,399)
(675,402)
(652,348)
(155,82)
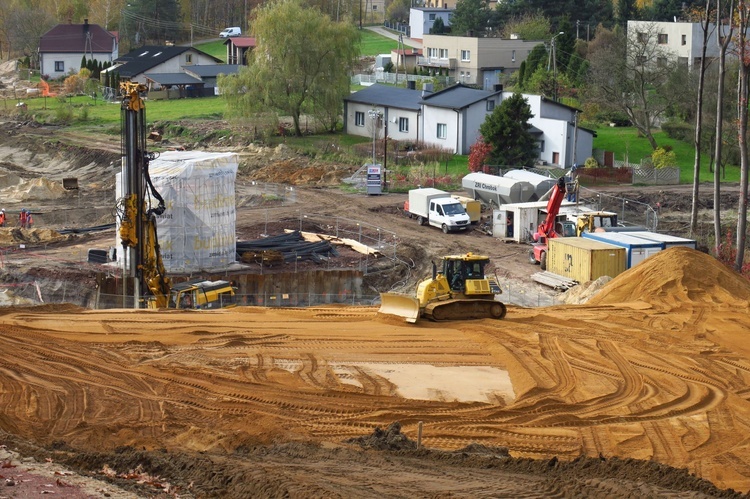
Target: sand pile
(15,235)
(35,189)
(674,277)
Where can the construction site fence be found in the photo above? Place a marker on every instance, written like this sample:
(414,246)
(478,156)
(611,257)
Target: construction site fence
(32,293)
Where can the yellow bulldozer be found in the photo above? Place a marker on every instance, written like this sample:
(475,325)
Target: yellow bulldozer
(460,290)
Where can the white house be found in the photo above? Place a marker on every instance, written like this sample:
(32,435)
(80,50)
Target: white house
(421,19)
(451,119)
(683,40)
(62,48)
(452,116)
(559,138)
(380,109)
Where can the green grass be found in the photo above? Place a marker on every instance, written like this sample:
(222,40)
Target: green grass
(100,112)
(215,48)
(626,141)
(372,44)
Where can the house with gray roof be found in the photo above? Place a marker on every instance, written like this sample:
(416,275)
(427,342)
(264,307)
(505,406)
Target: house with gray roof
(158,59)
(381,110)
(451,119)
(208,74)
(62,48)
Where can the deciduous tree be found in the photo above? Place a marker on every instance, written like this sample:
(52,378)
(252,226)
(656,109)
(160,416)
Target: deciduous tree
(634,74)
(294,71)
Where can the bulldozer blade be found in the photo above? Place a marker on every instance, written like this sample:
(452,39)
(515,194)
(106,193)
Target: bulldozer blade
(399,305)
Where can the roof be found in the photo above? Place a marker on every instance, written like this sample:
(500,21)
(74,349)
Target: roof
(405,52)
(211,70)
(72,38)
(458,97)
(387,96)
(173,79)
(144,58)
(241,41)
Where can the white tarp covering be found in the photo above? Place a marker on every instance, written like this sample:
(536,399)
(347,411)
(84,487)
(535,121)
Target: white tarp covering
(197,229)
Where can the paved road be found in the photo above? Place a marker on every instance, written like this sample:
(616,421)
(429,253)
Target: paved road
(409,42)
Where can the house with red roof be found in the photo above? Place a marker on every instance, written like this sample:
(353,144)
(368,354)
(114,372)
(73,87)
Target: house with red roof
(62,48)
(237,49)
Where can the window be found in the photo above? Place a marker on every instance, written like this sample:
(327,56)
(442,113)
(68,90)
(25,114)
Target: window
(642,37)
(188,58)
(468,76)
(359,118)
(661,62)
(662,39)
(432,53)
(442,131)
(59,66)
(432,17)
(640,60)
(684,40)
(374,7)
(403,124)
(513,56)
(541,146)
(443,53)
(466,55)
(490,105)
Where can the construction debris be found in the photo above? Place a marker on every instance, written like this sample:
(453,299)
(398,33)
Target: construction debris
(291,246)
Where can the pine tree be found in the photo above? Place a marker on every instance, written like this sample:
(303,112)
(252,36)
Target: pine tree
(507,131)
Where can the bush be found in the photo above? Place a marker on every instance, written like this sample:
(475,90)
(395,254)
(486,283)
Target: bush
(663,158)
(678,130)
(64,114)
(618,118)
(591,162)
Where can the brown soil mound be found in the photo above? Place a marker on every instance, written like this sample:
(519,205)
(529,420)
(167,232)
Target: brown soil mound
(676,276)
(15,235)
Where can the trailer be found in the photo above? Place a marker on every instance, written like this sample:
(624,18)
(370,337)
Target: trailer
(637,249)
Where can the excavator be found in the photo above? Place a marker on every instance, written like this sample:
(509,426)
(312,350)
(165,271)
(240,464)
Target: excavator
(137,214)
(461,290)
(551,228)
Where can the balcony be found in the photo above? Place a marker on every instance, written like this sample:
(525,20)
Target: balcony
(434,62)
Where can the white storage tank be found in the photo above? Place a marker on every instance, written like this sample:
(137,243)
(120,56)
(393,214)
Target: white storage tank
(541,184)
(496,191)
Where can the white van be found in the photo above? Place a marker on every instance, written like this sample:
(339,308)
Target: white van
(235,31)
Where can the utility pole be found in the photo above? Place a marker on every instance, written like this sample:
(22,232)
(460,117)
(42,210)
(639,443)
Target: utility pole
(575,139)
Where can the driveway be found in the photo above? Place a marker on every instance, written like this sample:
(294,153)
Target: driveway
(408,42)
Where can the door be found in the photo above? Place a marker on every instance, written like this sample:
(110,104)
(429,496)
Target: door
(555,158)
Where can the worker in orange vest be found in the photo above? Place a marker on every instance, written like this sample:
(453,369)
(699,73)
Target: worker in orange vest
(2,217)
(22,218)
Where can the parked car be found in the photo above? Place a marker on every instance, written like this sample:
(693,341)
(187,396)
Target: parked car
(228,32)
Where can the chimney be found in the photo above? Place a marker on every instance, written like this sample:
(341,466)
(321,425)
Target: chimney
(85,25)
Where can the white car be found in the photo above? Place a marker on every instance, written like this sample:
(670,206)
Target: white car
(228,32)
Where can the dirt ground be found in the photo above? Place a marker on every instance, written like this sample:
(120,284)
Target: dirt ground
(642,391)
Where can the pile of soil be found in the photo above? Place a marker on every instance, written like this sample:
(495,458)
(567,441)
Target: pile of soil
(389,439)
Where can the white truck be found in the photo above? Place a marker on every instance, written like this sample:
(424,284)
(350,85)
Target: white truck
(438,208)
